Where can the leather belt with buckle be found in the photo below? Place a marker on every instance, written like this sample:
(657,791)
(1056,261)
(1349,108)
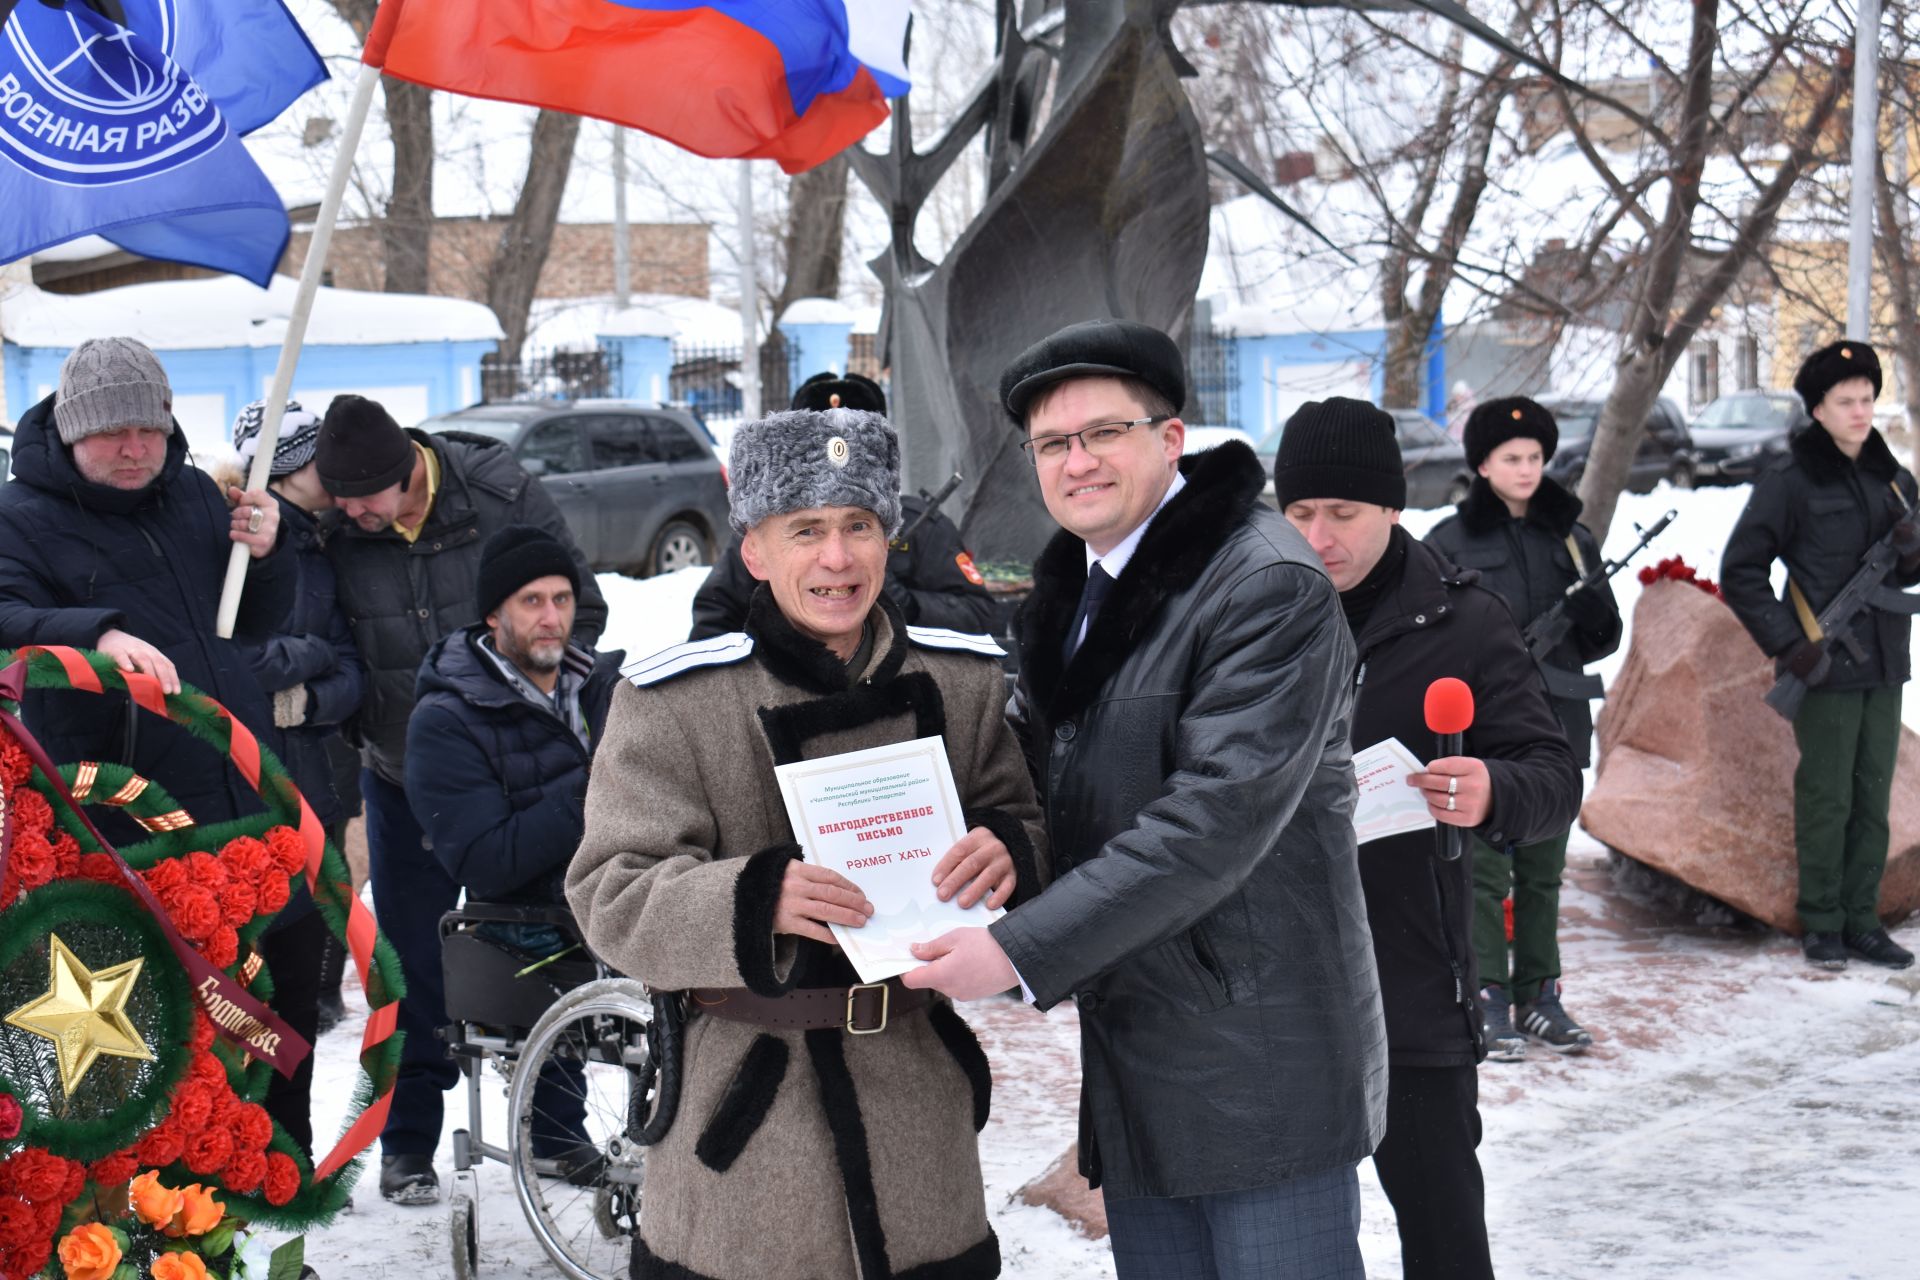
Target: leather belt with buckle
(859,1010)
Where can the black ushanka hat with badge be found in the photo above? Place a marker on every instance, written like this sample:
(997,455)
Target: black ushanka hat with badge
(1510,418)
(1832,365)
(805,458)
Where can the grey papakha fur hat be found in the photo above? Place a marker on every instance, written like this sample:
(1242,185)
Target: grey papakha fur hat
(806,458)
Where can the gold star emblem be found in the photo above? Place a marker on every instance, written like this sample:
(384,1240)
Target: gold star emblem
(84,1013)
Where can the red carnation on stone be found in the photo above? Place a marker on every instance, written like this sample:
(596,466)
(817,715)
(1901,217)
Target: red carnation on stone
(273,894)
(195,911)
(111,1171)
(167,877)
(162,1144)
(288,849)
(245,1171)
(209,1150)
(11,1117)
(283,1178)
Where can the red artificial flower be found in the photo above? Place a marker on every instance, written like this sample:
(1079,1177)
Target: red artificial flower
(40,1176)
(31,812)
(283,1178)
(195,911)
(76,1180)
(222,948)
(210,1069)
(202,1037)
(273,894)
(167,877)
(252,1126)
(209,1150)
(288,849)
(33,859)
(19,1224)
(245,1171)
(163,1144)
(11,1117)
(15,767)
(111,1171)
(9,885)
(238,901)
(100,869)
(29,1259)
(246,860)
(194,1103)
(206,871)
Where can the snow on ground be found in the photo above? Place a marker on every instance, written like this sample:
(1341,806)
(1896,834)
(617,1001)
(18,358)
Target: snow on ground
(1739,1115)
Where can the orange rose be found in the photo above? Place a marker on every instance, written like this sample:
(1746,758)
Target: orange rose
(199,1212)
(155,1204)
(90,1252)
(179,1266)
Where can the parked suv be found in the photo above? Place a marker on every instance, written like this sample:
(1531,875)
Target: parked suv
(1435,464)
(1736,436)
(1665,452)
(639,484)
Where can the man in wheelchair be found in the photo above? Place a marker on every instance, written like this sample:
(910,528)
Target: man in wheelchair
(825,1127)
(497,753)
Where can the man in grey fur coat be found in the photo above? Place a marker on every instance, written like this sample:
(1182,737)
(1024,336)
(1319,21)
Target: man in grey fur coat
(825,1128)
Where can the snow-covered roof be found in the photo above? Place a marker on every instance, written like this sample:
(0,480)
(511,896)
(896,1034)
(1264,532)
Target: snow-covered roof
(226,311)
(817,311)
(575,323)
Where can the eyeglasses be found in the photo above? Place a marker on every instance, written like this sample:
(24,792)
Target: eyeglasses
(1097,439)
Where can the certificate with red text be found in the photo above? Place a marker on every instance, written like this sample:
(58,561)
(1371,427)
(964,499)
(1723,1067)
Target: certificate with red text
(883,818)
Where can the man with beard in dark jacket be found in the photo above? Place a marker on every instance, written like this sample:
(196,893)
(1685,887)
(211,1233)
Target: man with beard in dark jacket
(1415,619)
(930,575)
(1522,532)
(1837,492)
(109,540)
(497,753)
(413,512)
(1184,701)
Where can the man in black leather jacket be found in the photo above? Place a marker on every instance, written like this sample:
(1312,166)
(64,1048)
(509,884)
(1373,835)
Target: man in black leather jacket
(1417,618)
(1184,703)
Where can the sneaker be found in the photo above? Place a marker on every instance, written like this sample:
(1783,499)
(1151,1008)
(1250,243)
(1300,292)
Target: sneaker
(1504,1044)
(1826,951)
(409,1179)
(1544,1020)
(1875,947)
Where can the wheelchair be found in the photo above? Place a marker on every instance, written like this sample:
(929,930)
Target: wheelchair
(574,1044)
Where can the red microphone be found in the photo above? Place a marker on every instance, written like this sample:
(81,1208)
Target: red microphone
(1449,709)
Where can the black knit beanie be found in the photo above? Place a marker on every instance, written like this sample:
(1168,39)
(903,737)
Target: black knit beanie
(1830,366)
(362,450)
(516,556)
(1340,448)
(1513,418)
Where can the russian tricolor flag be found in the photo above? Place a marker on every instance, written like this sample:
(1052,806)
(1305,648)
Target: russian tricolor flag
(796,81)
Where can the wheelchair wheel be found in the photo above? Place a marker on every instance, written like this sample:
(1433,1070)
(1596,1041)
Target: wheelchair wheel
(581,1080)
(466,1246)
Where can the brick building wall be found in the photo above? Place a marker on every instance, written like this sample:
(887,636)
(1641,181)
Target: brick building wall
(663,258)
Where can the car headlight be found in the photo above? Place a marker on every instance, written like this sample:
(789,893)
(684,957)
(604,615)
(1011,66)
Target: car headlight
(1746,450)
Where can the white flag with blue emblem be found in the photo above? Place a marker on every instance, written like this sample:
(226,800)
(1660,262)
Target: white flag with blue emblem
(123,119)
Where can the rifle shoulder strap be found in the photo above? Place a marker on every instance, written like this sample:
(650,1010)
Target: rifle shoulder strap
(1808,622)
(1579,561)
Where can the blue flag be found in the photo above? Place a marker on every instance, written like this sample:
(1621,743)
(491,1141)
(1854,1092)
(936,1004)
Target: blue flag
(123,119)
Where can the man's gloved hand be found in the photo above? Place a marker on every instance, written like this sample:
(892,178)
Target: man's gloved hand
(1906,536)
(1589,609)
(290,707)
(1803,659)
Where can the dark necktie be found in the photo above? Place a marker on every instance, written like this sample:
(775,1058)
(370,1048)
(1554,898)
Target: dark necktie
(1099,583)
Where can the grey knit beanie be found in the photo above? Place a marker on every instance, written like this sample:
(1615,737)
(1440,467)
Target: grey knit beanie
(807,458)
(110,383)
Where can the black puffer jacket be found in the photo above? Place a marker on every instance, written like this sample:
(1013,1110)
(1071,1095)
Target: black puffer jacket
(1206,910)
(400,598)
(925,581)
(313,648)
(1435,622)
(1819,511)
(499,784)
(78,559)
(1527,563)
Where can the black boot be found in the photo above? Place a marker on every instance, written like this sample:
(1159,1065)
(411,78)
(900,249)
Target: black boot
(1875,947)
(409,1179)
(1825,951)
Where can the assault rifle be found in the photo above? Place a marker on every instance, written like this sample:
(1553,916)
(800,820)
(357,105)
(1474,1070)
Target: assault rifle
(1866,589)
(1544,634)
(905,540)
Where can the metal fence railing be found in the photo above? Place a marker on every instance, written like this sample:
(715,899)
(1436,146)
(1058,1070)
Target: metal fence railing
(555,374)
(707,378)
(1213,363)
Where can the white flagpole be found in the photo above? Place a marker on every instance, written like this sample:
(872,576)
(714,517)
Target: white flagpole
(297,329)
